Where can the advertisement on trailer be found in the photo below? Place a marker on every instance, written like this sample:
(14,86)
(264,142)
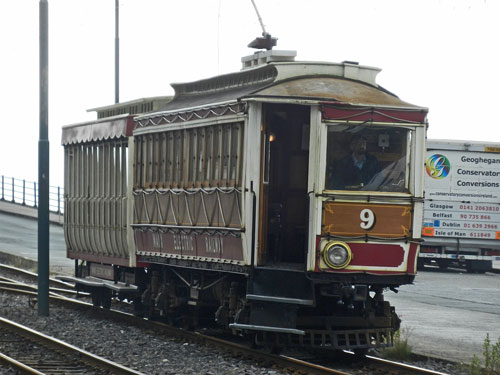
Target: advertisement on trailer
(462,176)
(463,220)
(462,195)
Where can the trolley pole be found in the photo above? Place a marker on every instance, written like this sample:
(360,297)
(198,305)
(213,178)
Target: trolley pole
(117,52)
(43,166)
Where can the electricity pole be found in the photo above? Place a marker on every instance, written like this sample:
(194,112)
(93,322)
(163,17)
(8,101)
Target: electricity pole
(43,165)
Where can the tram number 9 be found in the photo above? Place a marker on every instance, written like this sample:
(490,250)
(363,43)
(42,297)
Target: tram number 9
(367,219)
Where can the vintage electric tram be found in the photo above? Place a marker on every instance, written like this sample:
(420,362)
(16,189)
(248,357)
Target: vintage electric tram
(279,201)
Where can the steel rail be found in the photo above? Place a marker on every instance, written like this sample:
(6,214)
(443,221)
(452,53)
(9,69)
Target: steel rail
(9,283)
(19,366)
(86,357)
(282,361)
(197,337)
(402,368)
(33,275)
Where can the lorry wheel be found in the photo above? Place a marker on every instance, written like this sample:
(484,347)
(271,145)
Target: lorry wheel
(420,264)
(478,266)
(443,264)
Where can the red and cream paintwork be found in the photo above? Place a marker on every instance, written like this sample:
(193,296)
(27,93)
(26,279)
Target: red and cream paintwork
(357,220)
(217,248)
(393,237)
(381,259)
(382,229)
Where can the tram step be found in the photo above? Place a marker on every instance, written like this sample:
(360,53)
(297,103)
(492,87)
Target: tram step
(252,327)
(94,282)
(271,316)
(294,301)
(280,286)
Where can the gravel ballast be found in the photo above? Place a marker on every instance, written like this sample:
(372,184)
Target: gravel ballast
(130,346)
(145,351)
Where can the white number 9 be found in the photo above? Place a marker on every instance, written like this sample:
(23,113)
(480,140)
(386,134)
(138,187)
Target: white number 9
(367,219)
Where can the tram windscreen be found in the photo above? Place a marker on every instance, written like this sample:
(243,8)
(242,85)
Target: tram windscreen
(367,159)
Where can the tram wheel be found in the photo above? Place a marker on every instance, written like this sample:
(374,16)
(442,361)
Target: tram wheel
(267,343)
(101,298)
(360,353)
(96,298)
(106,299)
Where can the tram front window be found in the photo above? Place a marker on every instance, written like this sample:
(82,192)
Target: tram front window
(373,159)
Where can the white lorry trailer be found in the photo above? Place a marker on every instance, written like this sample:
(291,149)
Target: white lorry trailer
(462,205)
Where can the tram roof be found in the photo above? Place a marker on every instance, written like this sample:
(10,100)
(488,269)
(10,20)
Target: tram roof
(332,89)
(115,127)
(345,83)
(270,76)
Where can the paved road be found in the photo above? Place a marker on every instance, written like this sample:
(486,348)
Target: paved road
(19,236)
(449,313)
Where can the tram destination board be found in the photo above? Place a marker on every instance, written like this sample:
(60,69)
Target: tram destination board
(458,219)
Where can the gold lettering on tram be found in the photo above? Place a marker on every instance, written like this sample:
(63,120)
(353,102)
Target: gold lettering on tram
(183,242)
(157,241)
(214,245)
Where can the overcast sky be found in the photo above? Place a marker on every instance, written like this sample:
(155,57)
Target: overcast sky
(441,54)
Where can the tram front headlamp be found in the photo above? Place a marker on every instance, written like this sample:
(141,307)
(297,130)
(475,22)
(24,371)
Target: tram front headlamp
(337,255)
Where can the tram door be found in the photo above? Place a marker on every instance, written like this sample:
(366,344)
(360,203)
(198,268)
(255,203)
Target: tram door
(284,203)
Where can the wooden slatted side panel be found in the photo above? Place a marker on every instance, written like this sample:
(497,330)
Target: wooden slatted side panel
(96,197)
(190,158)
(190,161)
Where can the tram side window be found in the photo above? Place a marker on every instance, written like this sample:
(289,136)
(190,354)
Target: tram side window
(374,159)
(96,169)
(190,158)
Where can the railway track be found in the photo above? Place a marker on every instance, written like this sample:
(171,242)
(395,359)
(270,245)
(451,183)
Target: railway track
(373,365)
(10,283)
(25,275)
(32,352)
(383,366)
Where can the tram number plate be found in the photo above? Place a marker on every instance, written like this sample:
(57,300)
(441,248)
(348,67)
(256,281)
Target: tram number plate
(355,219)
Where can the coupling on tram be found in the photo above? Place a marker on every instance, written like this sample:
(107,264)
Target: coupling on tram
(279,202)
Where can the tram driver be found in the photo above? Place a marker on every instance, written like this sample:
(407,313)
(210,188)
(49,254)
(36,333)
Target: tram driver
(356,169)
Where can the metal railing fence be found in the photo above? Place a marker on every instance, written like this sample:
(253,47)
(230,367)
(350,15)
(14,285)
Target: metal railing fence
(26,193)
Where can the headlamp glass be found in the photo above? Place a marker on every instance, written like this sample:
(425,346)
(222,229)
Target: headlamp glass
(337,255)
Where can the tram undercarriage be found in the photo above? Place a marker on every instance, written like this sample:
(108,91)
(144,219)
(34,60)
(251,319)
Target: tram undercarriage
(305,313)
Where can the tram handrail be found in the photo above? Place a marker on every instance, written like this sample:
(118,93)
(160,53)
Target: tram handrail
(24,192)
